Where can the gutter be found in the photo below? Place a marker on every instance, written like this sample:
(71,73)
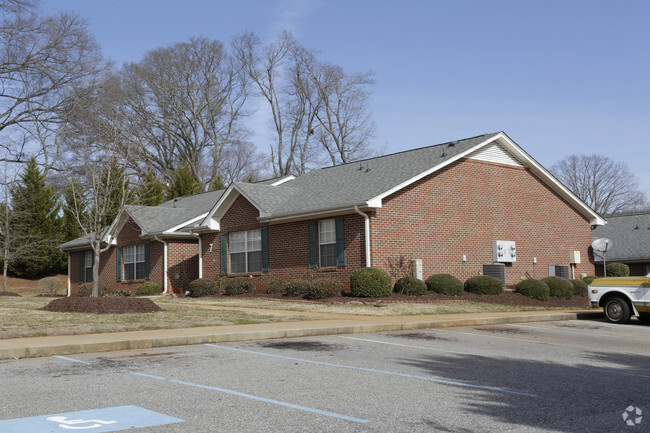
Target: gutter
(367,234)
(164,292)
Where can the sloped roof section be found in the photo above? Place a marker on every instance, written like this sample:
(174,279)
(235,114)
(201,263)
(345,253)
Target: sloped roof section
(630,236)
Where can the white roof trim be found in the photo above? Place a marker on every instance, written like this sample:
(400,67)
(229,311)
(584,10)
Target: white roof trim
(283,180)
(224,203)
(180,226)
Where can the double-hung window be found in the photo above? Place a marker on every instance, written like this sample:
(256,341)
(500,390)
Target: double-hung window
(134,262)
(327,243)
(88,266)
(245,251)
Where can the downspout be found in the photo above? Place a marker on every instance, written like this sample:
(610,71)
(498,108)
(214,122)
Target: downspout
(164,292)
(200,253)
(367,236)
(69,273)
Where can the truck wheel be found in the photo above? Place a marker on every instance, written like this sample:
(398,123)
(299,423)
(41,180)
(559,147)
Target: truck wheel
(617,310)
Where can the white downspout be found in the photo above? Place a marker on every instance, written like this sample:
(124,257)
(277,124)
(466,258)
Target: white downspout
(69,289)
(164,292)
(200,254)
(367,236)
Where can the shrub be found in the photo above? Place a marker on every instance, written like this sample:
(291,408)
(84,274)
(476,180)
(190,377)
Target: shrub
(370,283)
(410,286)
(119,294)
(580,288)
(534,289)
(559,287)
(51,286)
(297,287)
(202,287)
(275,286)
(324,288)
(588,279)
(149,288)
(618,270)
(484,285)
(86,289)
(400,268)
(239,286)
(445,284)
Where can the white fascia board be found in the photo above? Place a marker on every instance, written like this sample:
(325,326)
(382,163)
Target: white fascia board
(380,197)
(550,180)
(251,201)
(218,204)
(116,227)
(283,180)
(180,226)
(317,213)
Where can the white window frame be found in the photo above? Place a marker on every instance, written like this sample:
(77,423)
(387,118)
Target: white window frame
(137,258)
(246,243)
(88,266)
(327,237)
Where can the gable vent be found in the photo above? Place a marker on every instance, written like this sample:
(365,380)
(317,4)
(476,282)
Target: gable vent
(495,153)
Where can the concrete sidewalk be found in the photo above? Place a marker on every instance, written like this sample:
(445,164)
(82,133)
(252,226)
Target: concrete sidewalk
(323,324)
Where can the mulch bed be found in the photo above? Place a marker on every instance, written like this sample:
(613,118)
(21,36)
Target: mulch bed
(9,294)
(102,305)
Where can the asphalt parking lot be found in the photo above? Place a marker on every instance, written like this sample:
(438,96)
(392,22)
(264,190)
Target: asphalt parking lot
(569,376)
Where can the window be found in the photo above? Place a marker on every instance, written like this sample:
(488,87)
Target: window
(327,243)
(88,266)
(245,251)
(134,262)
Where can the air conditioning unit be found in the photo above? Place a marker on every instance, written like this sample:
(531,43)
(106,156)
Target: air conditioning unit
(558,271)
(497,270)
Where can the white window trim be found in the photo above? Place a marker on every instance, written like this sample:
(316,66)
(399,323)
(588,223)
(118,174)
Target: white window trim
(246,251)
(134,262)
(88,264)
(320,243)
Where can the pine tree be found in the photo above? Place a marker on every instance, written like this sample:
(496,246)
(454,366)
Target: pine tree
(152,190)
(217,183)
(183,183)
(35,213)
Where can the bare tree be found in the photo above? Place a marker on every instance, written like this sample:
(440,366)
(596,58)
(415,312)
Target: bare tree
(187,101)
(607,186)
(41,61)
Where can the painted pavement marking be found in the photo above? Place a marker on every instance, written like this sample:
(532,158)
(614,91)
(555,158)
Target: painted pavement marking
(95,420)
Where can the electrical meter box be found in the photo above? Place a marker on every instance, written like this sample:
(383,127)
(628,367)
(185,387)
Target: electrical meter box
(504,252)
(417,269)
(574,257)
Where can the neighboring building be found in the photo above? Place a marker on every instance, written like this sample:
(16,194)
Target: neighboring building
(445,205)
(630,236)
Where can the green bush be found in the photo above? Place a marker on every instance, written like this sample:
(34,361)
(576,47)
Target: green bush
(297,287)
(149,288)
(618,270)
(239,286)
(484,285)
(370,283)
(410,286)
(275,286)
(445,284)
(119,294)
(559,287)
(534,289)
(588,279)
(86,289)
(580,288)
(324,288)
(51,286)
(202,287)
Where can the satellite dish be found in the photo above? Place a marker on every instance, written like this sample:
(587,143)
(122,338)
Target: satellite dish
(601,244)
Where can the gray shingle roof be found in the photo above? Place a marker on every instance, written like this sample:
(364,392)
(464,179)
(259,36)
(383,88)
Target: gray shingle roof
(354,183)
(630,236)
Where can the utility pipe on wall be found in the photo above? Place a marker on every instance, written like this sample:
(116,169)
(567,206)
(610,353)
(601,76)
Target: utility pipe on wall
(164,263)
(367,234)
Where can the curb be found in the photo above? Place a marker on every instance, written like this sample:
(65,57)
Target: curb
(41,346)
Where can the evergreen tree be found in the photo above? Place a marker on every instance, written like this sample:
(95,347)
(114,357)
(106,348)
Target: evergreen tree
(152,190)
(35,211)
(183,183)
(217,183)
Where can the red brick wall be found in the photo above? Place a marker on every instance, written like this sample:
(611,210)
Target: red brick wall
(464,207)
(183,260)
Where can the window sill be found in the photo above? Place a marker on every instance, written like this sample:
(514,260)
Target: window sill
(133,281)
(246,274)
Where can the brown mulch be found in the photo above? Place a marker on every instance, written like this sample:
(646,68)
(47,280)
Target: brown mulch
(102,305)
(505,298)
(9,294)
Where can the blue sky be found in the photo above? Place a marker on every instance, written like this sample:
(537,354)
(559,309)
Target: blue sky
(559,77)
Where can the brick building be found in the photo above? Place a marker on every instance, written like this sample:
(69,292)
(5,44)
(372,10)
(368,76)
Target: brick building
(452,206)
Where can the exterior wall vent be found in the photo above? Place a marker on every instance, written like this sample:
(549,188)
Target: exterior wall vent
(558,271)
(497,270)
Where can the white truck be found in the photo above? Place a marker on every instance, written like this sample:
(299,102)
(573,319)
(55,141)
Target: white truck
(621,297)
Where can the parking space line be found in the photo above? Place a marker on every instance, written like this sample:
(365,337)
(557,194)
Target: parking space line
(579,331)
(514,339)
(372,370)
(71,359)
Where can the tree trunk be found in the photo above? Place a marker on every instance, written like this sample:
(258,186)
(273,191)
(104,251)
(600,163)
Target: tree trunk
(95,292)
(4,276)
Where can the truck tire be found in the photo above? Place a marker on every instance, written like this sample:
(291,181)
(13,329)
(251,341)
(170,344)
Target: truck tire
(617,310)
